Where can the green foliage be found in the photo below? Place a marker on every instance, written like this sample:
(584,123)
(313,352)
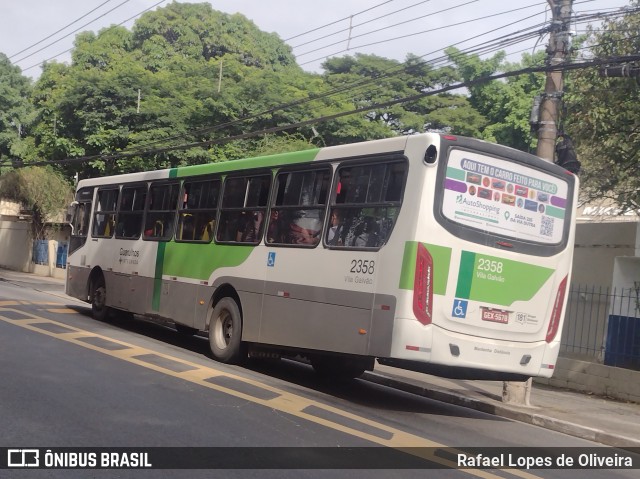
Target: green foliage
(43,191)
(506,105)
(16,113)
(450,113)
(603,117)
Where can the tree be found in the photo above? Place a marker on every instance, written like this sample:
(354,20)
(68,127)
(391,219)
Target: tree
(506,105)
(383,80)
(603,116)
(16,113)
(43,191)
(158,85)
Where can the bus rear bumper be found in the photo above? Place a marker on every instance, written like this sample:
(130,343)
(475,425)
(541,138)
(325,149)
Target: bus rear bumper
(461,356)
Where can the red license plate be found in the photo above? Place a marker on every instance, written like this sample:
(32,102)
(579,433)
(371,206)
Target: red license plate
(495,315)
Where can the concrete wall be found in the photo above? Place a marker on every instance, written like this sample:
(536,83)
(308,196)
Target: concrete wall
(15,242)
(596,247)
(16,247)
(588,377)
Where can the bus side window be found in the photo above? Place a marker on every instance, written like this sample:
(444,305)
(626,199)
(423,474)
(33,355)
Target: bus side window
(298,211)
(198,210)
(366,204)
(105,213)
(162,203)
(131,211)
(244,205)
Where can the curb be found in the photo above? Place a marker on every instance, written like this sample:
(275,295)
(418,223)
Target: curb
(508,412)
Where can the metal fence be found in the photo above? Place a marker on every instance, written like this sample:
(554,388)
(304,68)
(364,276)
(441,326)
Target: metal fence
(603,325)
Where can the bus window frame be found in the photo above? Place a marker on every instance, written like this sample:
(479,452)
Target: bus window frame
(164,237)
(113,212)
(222,210)
(182,210)
(388,159)
(123,186)
(322,207)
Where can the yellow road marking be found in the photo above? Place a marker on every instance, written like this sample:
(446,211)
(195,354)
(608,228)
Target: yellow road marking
(61,310)
(283,401)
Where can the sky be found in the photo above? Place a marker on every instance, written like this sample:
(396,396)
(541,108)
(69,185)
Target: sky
(34,31)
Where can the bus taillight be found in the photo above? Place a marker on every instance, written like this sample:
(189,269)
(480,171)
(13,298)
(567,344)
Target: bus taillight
(423,286)
(557,311)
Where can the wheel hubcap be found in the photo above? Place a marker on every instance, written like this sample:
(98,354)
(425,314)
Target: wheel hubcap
(223,330)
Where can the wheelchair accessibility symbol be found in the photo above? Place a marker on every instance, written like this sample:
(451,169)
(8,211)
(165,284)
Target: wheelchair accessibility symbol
(271,259)
(459,308)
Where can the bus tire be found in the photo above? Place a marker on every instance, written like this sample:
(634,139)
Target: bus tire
(99,308)
(225,332)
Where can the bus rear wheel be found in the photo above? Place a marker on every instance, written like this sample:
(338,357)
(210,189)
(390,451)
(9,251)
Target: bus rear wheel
(99,308)
(225,332)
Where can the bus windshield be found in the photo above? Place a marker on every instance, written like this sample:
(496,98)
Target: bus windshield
(508,199)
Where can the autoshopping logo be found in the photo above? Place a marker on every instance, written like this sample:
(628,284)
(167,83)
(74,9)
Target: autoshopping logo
(477,204)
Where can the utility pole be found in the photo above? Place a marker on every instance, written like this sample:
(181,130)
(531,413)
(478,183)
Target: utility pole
(558,50)
(512,391)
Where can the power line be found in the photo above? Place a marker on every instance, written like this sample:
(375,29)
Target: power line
(71,33)
(110,28)
(361,24)
(406,68)
(449,25)
(58,31)
(337,21)
(390,26)
(567,66)
(495,44)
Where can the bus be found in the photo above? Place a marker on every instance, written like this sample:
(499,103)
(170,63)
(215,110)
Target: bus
(429,252)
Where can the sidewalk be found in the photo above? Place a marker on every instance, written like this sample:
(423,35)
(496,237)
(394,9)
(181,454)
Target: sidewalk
(605,421)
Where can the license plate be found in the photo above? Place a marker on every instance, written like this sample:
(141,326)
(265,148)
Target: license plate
(495,315)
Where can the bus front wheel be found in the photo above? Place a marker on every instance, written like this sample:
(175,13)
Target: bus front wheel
(99,308)
(225,332)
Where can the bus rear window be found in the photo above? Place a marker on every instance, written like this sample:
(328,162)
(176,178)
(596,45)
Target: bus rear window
(504,198)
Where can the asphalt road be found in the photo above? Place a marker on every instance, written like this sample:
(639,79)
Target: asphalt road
(70,381)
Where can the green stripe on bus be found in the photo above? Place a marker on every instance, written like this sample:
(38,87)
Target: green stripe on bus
(282,159)
(495,280)
(441,262)
(199,261)
(555,212)
(465,274)
(455,173)
(157,277)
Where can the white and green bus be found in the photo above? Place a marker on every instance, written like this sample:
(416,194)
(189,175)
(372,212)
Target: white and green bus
(434,253)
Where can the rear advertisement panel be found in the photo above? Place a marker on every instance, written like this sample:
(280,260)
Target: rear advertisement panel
(504,198)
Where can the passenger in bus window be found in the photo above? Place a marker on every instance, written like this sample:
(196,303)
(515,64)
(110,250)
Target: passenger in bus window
(305,227)
(252,227)
(334,234)
(343,185)
(366,233)
(274,230)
